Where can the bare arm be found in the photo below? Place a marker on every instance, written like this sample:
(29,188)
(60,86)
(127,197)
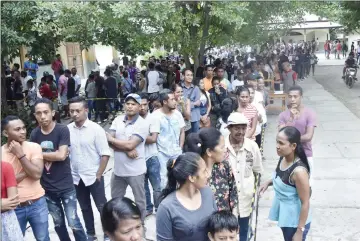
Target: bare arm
(307,137)
(103,163)
(123,145)
(59,155)
(21,176)
(251,132)
(152,138)
(187,110)
(182,137)
(301,180)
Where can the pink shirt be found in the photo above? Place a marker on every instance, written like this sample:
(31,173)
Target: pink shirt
(306,119)
(63,84)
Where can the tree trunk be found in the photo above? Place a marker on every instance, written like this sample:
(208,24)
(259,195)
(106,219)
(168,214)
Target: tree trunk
(187,60)
(3,86)
(205,34)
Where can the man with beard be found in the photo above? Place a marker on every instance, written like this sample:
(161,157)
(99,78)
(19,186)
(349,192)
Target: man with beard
(170,140)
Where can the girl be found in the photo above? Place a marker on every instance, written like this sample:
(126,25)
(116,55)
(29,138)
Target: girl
(183,106)
(205,105)
(121,220)
(250,112)
(9,200)
(187,202)
(210,145)
(313,62)
(291,206)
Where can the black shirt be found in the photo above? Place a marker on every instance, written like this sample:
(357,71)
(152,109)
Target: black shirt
(56,175)
(99,83)
(18,95)
(111,87)
(350,62)
(71,88)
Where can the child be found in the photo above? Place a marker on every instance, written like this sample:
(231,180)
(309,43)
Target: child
(31,97)
(223,225)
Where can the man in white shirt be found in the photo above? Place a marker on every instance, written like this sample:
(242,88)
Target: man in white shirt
(24,79)
(151,156)
(152,79)
(77,80)
(127,137)
(89,155)
(239,81)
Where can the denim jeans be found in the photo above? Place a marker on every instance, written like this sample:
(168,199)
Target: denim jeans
(56,202)
(97,191)
(111,104)
(91,108)
(244,228)
(288,233)
(195,126)
(37,215)
(152,175)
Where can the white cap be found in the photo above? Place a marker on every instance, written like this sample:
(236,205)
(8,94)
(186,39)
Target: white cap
(237,118)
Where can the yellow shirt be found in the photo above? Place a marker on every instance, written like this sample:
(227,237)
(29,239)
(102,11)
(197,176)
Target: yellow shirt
(28,189)
(207,83)
(244,163)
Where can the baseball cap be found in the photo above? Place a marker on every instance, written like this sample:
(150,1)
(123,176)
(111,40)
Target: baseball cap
(237,118)
(135,97)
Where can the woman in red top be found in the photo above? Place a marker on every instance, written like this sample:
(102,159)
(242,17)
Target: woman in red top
(9,200)
(249,111)
(45,90)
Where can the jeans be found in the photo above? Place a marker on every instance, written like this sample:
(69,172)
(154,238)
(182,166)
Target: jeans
(119,185)
(100,110)
(288,233)
(57,204)
(195,126)
(111,104)
(37,215)
(152,175)
(91,108)
(97,191)
(244,228)
(163,159)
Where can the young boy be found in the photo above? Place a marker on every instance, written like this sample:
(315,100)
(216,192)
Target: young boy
(223,225)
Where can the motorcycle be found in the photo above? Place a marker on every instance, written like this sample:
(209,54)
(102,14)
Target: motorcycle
(350,76)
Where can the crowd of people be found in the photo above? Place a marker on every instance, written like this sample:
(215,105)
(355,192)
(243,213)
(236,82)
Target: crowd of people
(196,138)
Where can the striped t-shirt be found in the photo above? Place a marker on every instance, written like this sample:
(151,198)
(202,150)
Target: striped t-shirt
(250,112)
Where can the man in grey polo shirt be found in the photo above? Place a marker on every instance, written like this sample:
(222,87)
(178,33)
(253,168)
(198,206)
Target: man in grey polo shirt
(127,137)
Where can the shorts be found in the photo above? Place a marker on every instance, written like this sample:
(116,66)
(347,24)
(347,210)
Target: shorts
(311,164)
(64,100)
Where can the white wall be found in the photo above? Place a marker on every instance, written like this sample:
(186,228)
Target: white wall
(353,38)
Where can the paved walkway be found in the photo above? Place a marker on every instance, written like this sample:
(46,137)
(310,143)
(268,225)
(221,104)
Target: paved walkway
(335,201)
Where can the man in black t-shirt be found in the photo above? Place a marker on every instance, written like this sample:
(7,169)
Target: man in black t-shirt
(100,103)
(349,62)
(71,88)
(18,91)
(57,179)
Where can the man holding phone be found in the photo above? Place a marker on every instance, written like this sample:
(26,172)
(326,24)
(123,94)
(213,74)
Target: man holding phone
(217,95)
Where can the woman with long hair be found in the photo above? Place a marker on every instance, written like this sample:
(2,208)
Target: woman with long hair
(210,145)
(291,204)
(249,111)
(205,105)
(187,202)
(121,220)
(183,106)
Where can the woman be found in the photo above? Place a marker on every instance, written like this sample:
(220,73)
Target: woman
(187,202)
(121,220)
(313,62)
(217,95)
(192,92)
(250,112)
(205,105)
(228,106)
(210,145)
(9,200)
(291,205)
(183,106)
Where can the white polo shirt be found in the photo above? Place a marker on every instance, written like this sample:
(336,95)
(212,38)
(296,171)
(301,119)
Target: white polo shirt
(154,127)
(125,166)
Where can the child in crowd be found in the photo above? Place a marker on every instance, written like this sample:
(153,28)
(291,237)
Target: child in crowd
(223,225)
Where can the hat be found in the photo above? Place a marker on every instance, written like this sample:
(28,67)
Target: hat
(237,118)
(135,97)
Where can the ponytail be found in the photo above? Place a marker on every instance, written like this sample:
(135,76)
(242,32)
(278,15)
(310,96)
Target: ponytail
(206,138)
(179,170)
(299,152)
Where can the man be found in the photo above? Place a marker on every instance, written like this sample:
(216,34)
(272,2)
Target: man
(132,70)
(352,48)
(89,157)
(209,74)
(31,67)
(152,79)
(338,49)
(90,93)
(100,104)
(288,76)
(349,62)
(245,159)
(45,90)
(301,117)
(56,66)
(344,49)
(27,161)
(152,161)
(63,89)
(182,65)
(57,180)
(111,90)
(77,79)
(18,91)
(127,137)
(25,78)
(358,53)
(71,85)
(170,140)
(220,71)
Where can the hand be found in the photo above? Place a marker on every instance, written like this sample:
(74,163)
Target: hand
(132,154)
(295,113)
(98,176)
(16,149)
(109,137)
(10,203)
(298,236)
(217,91)
(260,119)
(263,188)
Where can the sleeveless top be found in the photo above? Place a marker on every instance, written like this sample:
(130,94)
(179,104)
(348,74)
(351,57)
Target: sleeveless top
(286,205)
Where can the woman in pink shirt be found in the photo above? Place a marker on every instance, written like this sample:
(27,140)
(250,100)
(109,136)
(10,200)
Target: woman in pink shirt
(249,111)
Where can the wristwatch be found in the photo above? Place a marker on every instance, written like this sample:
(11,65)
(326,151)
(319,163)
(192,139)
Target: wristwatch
(302,229)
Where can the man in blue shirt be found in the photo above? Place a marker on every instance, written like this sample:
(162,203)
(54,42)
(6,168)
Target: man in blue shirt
(31,67)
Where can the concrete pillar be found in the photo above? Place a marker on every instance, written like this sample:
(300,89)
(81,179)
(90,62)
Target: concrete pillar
(304,35)
(89,60)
